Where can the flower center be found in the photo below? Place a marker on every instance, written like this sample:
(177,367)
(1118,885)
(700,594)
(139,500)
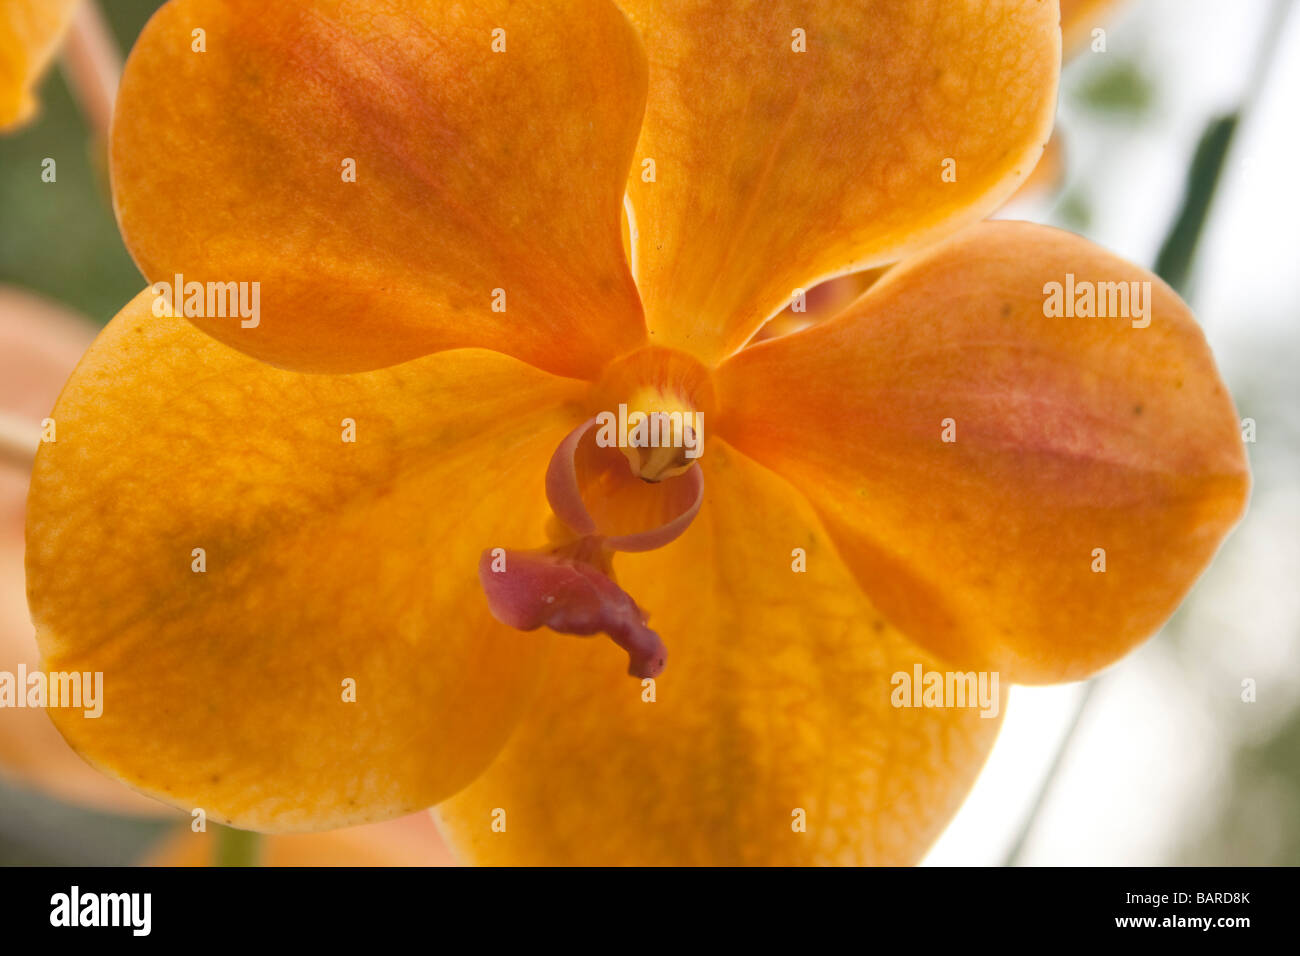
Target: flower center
(652,405)
(648,412)
(660,435)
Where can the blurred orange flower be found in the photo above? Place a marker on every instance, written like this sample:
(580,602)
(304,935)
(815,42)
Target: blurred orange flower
(1079,18)
(274,569)
(406,841)
(30,32)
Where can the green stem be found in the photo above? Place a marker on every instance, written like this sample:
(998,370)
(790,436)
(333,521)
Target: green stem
(1174,262)
(237,847)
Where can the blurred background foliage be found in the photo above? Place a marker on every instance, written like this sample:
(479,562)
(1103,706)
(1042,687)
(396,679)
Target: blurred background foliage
(63,243)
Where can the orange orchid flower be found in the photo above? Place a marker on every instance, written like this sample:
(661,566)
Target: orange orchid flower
(282,573)
(30,32)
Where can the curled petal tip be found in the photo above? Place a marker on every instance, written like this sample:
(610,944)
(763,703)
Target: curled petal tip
(562,489)
(564,493)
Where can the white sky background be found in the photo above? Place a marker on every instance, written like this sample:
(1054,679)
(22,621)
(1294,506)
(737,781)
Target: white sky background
(1150,760)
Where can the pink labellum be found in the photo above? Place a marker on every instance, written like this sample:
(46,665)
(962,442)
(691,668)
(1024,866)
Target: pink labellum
(532,589)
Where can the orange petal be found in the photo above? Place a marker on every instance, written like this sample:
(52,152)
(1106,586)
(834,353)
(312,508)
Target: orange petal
(475,171)
(40,343)
(407,841)
(329,566)
(776,700)
(30,32)
(775,169)
(1071,435)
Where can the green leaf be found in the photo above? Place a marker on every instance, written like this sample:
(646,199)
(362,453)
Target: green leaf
(1174,263)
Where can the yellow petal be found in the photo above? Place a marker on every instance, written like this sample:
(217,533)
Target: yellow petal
(30,31)
(488,188)
(408,841)
(1019,491)
(776,700)
(774,169)
(328,566)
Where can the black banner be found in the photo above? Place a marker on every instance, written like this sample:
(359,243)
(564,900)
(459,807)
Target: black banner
(449,907)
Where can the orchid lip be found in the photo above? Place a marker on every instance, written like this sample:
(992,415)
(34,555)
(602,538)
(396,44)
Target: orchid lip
(571,596)
(568,586)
